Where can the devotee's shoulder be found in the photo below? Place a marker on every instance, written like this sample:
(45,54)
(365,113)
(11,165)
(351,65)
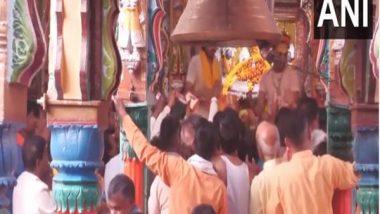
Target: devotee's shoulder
(264,78)
(336,165)
(220,168)
(341,173)
(333,161)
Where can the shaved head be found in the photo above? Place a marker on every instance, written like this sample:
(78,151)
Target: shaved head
(268,140)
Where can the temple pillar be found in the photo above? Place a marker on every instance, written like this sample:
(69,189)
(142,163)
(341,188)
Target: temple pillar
(12,119)
(22,55)
(365,123)
(77,149)
(137,72)
(133,167)
(340,146)
(339,142)
(84,70)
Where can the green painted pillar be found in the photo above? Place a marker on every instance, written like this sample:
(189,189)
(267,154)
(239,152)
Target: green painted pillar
(339,132)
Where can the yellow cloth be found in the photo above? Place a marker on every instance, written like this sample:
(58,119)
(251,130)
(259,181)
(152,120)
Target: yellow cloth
(259,192)
(261,188)
(189,186)
(55,172)
(132,21)
(210,71)
(306,183)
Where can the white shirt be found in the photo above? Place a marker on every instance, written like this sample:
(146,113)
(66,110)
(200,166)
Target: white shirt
(237,187)
(158,202)
(32,196)
(155,123)
(113,168)
(277,86)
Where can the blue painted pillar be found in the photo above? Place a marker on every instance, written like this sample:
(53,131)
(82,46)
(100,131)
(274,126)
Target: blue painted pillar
(9,160)
(77,150)
(16,68)
(366,152)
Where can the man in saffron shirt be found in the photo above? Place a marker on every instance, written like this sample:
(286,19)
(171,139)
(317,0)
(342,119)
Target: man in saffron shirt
(189,185)
(309,179)
(272,152)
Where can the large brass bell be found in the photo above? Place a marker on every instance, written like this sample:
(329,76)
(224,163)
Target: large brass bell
(226,23)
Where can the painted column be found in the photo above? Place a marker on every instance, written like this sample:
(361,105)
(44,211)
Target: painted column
(22,55)
(10,158)
(339,133)
(133,167)
(77,149)
(133,46)
(84,69)
(366,131)
(353,119)
(366,128)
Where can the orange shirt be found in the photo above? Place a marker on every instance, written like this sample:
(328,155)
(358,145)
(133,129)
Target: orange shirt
(306,183)
(189,186)
(261,187)
(20,139)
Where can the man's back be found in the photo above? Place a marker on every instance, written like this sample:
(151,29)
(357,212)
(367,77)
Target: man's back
(32,196)
(306,183)
(262,187)
(196,187)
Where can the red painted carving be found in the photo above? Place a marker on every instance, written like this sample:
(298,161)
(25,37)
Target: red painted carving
(111,23)
(95,54)
(375,59)
(158,17)
(39,56)
(83,73)
(59,50)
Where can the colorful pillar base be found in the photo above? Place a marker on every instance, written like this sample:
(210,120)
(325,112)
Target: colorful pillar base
(10,160)
(76,148)
(339,132)
(76,151)
(367,157)
(132,166)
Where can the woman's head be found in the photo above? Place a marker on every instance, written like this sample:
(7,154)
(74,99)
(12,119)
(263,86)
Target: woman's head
(169,134)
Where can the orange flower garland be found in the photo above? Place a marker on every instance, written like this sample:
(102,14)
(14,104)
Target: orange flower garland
(250,70)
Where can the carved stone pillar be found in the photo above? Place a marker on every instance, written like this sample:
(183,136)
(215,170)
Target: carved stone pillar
(133,167)
(366,128)
(22,51)
(77,149)
(10,157)
(339,133)
(338,109)
(84,69)
(366,144)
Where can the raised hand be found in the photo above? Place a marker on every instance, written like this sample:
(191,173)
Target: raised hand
(172,99)
(120,108)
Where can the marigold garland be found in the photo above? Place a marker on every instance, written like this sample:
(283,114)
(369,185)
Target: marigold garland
(250,70)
